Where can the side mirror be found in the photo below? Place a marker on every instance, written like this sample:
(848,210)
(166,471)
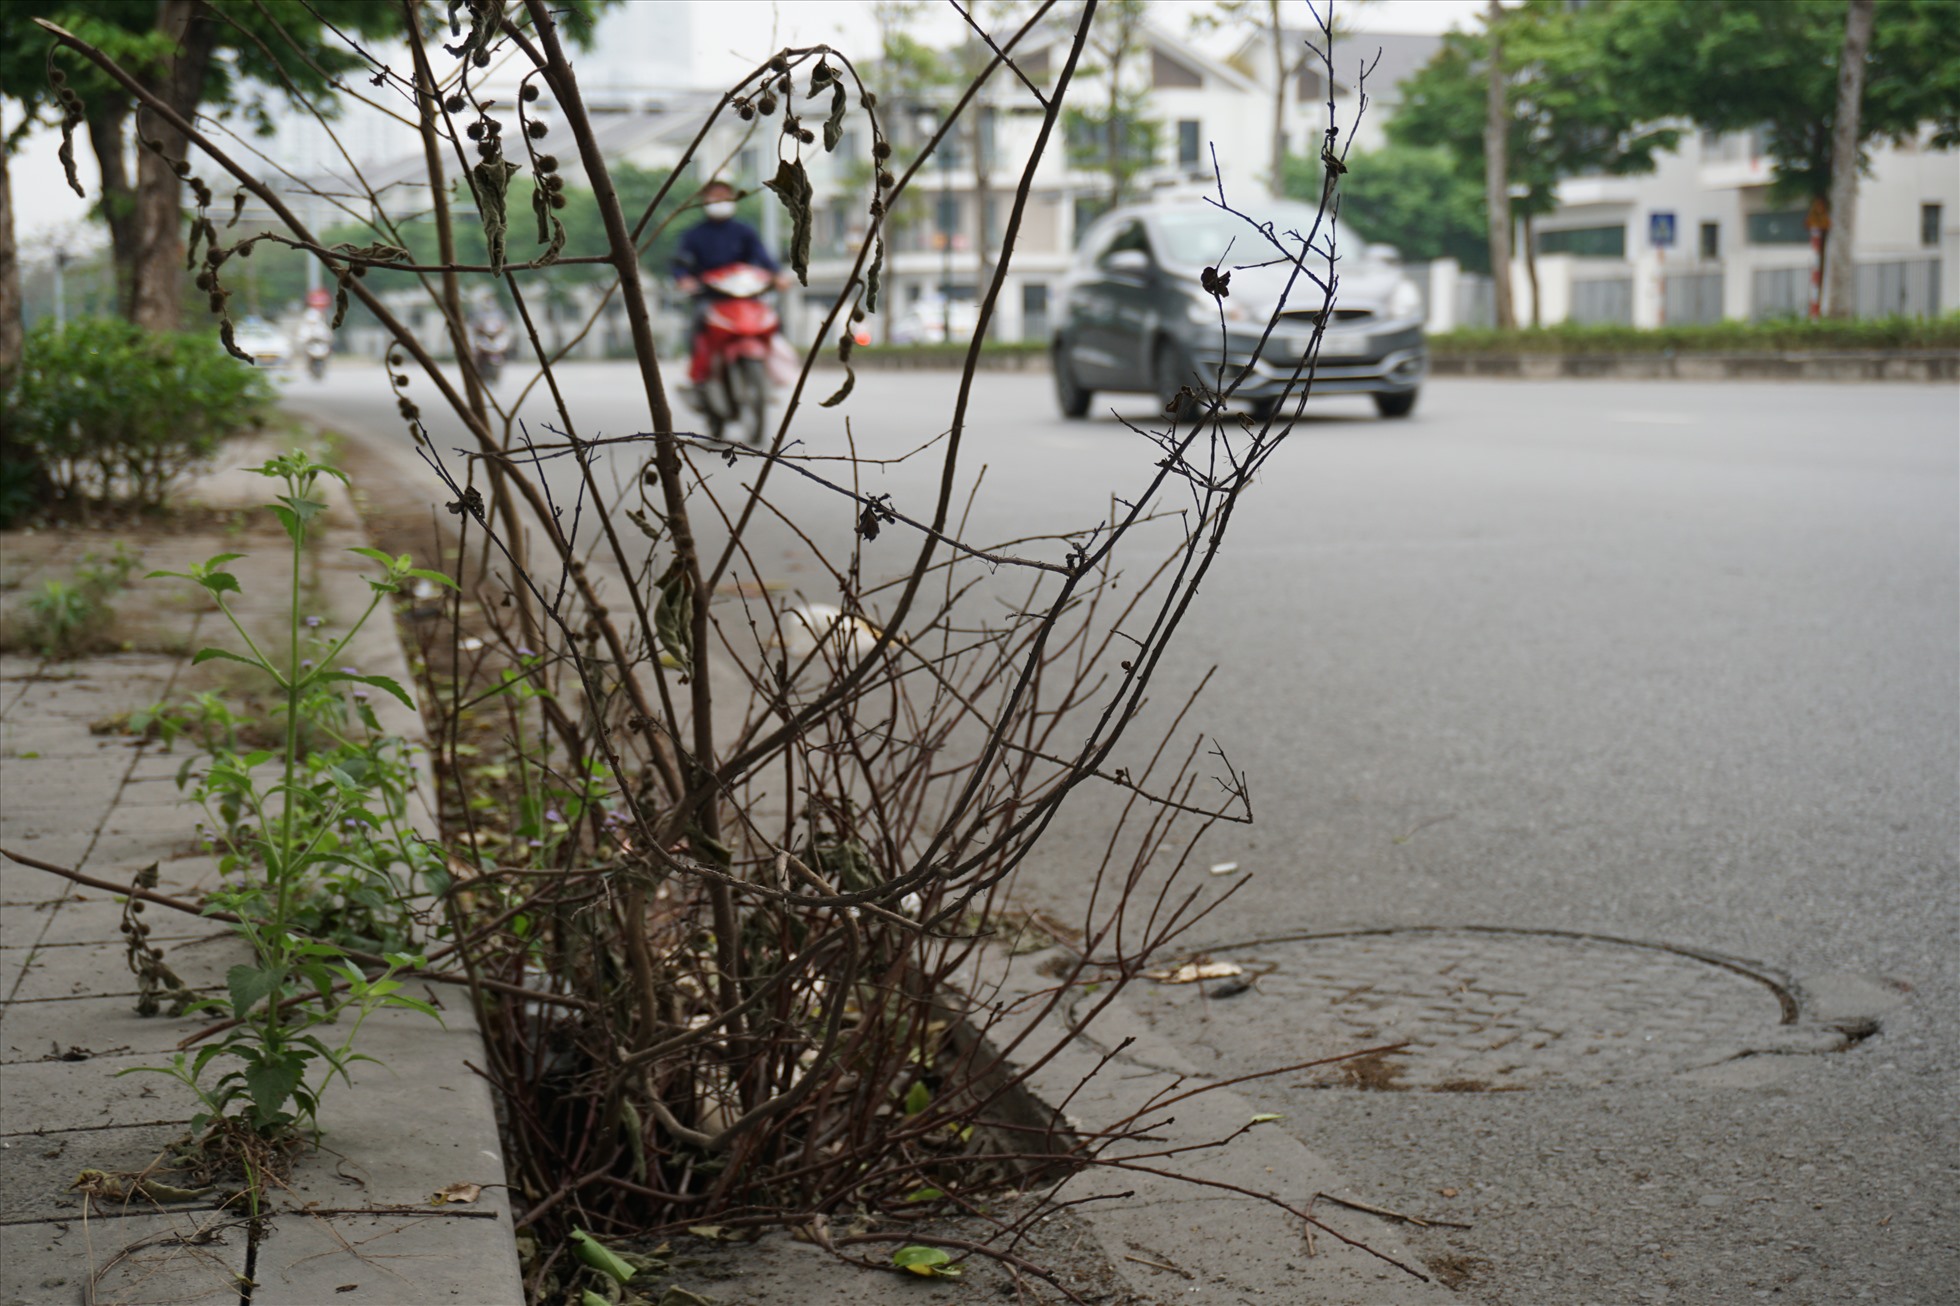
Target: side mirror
(1132,261)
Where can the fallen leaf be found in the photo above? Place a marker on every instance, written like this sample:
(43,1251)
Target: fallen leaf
(1266,1116)
(456,1193)
(1447,1192)
(1224,868)
(1193,971)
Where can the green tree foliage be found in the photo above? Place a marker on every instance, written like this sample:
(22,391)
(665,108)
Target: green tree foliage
(1578,103)
(1118,137)
(1413,197)
(1736,65)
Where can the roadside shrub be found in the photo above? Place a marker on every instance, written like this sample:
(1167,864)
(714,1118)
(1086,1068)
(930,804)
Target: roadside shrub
(1776,335)
(106,413)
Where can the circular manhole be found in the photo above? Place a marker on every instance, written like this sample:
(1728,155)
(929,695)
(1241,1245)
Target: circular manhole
(1478,1010)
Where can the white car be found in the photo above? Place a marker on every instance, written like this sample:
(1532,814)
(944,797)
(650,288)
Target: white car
(266,343)
(926,321)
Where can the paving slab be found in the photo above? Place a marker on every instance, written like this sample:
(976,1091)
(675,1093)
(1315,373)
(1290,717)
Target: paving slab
(55,1096)
(309,1260)
(41,1168)
(101,1026)
(179,1259)
(102,970)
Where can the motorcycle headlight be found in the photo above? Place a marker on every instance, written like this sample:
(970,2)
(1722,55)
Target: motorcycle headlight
(1405,301)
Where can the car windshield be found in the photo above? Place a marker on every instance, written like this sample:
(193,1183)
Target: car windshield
(1200,235)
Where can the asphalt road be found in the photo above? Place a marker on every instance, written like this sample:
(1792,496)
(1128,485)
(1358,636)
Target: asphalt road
(1670,662)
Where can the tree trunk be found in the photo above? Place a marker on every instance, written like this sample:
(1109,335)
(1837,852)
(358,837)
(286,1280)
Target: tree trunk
(156,285)
(982,237)
(1497,176)
(1531,270)
(108,123)
(1840,273)
(11,323)
(1276,181)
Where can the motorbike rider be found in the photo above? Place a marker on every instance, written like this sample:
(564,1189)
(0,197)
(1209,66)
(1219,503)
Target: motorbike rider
(489,341)
(717,242)
(314,339)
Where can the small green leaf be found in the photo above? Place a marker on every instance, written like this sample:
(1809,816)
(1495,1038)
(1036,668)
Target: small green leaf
(249,986)
(917,1098)
(271,1083)
(423,573)
(595,1254)
(924,1261)
(220,582)
(379,682)
(1266,1117)
(374,554)
(204,655)
(924,1195)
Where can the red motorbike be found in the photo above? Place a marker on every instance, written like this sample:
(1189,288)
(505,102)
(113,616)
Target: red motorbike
(731,351)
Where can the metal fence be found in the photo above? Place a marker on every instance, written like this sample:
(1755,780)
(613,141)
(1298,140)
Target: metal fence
(1691,297)
(1902,287)
(1909,288)
(1476,301)
(1603,299)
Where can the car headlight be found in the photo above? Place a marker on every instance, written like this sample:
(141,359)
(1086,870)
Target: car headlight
(1204,309)
(1405,300)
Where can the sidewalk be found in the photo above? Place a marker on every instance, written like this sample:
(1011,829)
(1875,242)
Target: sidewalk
(354,1223)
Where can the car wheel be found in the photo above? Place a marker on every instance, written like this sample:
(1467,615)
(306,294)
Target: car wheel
(1399,404)
(1172,379)
(1069,394)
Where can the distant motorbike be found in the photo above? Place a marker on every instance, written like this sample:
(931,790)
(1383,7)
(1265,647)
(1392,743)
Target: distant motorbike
(317,351)
(738,330)
(489,344)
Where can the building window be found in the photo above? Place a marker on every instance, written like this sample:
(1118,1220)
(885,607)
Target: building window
(1188,144)
(1711,240)
(1586,242)
(1034,310)
(1784,228)
(1929,225)
(947,215)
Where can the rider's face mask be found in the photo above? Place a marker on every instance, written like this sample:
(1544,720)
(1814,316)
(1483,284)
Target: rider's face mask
(720,210)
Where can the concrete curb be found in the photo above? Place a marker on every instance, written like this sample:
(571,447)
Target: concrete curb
(1850,365)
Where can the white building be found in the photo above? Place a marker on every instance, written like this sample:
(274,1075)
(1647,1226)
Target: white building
(1698,239)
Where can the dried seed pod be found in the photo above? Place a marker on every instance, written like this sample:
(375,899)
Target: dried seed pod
(745,111)
(474,131)
(805,135)
(767,104)
(530,91)
(868,100)
(885,180)
(181,168)
(483,58)
(557,199)
(881,150)
(454,104)
(56,76)
(780,63)
(202,281)
(217,301)
(537,129)
(548,162)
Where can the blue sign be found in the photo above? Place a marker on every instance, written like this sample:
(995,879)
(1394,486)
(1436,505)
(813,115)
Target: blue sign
(1660,230)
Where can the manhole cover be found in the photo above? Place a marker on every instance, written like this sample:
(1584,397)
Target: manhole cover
(1481,1010)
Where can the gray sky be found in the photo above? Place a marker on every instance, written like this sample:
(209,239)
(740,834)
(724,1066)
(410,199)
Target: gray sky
(728,37)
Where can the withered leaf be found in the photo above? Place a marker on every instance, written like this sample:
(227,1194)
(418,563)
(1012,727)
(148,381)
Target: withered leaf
(551,232)
(872,275)
(458,1193)
(230,342)
(673,616)
(792,185)
(490,183)
(833,126)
